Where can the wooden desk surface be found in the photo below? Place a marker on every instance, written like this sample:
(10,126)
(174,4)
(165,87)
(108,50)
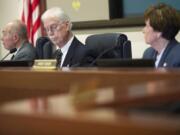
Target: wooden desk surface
(54,113)
(18,83)
(150,93)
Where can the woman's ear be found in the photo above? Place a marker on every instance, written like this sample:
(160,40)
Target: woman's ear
(159,34)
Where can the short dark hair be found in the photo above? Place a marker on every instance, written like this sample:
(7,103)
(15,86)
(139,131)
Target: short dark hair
(163,18)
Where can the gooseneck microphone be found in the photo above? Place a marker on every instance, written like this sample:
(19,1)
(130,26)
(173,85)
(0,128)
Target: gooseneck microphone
(10,51)
(90,60)
(111,49)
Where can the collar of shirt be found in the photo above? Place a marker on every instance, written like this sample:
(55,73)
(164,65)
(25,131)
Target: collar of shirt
(65,49)
(15,51)
(158,57)
(18,48)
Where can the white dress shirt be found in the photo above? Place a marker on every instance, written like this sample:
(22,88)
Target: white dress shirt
(158,57)
(65,49)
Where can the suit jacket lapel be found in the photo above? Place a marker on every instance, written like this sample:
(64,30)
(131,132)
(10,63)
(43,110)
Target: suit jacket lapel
(70,53)
(18,51)
(166,52)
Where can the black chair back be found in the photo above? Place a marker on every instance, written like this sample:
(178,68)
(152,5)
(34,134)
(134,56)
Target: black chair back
(44,48)
(109,45)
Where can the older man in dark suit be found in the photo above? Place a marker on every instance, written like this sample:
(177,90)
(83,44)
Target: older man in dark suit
(65,47)
(14,35)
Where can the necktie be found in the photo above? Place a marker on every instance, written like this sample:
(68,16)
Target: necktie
(58,57)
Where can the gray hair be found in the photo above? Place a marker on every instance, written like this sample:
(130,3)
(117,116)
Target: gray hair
(20,28)
(56,12)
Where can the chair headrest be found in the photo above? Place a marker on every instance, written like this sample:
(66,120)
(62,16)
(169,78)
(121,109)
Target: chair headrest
(99,43)
(42,40)
(106,40)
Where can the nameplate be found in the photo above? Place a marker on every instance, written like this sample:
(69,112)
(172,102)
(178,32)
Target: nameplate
(46,64)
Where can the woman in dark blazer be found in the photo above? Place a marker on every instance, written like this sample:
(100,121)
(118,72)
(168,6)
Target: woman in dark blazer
(162,25)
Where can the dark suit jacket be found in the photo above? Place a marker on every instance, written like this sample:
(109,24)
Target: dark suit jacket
(26,52)
(76,53)
(170,57)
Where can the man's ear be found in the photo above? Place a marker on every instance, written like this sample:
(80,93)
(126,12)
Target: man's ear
(16,37)
(67,25)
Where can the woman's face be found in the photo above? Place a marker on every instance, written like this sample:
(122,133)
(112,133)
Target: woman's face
(150,35)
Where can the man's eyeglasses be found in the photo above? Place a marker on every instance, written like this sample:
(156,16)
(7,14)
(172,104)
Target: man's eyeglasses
(53,28)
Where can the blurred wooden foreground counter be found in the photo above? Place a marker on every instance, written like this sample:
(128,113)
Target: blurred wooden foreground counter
(17,83)
(88,101)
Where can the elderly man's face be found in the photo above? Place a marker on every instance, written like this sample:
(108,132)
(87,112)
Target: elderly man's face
(57,31)
(8,37)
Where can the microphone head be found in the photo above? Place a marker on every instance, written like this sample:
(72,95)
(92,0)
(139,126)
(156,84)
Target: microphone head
(13,50)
